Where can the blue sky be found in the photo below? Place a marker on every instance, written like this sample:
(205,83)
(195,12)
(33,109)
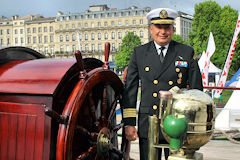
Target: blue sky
(49,8)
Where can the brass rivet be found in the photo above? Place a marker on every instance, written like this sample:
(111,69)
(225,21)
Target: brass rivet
(170,82)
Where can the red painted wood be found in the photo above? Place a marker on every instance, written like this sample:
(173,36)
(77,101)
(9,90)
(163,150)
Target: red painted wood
(40,76)
(23,131)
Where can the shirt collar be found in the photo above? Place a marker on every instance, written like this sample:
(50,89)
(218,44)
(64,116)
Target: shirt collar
(158,46)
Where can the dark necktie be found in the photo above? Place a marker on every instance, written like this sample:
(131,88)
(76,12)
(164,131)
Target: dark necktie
(161,54)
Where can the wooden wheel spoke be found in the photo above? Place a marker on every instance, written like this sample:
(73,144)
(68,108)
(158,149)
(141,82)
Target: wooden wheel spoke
(113,110)
(117,127)
(88,154)
(85,132)
(92,109)
(104,102)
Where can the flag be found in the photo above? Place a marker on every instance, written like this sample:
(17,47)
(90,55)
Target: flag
(210,50)
(228,62)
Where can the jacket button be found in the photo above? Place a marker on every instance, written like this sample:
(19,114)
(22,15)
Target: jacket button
(155,94)
(170,83)
(155,81)
(155,107)
(147,69)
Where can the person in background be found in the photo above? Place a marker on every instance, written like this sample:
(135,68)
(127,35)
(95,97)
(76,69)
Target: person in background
(159,65)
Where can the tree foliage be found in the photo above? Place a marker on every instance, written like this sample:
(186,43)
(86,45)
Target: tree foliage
(126,49)
(210,17)
(178,38)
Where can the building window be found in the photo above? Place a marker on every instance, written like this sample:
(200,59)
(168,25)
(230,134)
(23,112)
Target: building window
(119,23)
(67,38)
(73,26)
(61,27)
(134,33)
(28,30)
(119,35)
(29,40)
(61,49)
(93,48)
(113,35)
(92,25)
(39,39)
(113,46)
(66,26)
(67,49)
(8,41)
(73,37)
(99,24)
(99,36)
(51,50)
(34,40)
(34,30)
(86,48)
(22,40)
(46,50)
(51,38)
(79,25)
(21,31)
(92,36)
(1,32)
(99,47)
(61,38)
(51,29)
(106,36)
(86,36)
(141,21)
(86,25)
(141,34)
(73,48)
(1,42)
(112,23)
(16,31)
(105,24)
(126,22)
(16,40)
(45,29)
(45,39)
(134,22)
(8,31)
(40,50)
(39,29)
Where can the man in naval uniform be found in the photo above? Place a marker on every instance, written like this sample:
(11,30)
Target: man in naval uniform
(158,65)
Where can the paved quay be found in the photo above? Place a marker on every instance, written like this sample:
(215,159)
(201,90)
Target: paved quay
(213,150)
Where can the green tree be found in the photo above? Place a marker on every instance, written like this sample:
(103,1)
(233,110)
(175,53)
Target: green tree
(210,17)
(126,49)
(178,38)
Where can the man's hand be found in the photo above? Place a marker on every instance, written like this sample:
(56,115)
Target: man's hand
(131,133)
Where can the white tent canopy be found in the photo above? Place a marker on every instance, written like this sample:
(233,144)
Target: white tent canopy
(227,119)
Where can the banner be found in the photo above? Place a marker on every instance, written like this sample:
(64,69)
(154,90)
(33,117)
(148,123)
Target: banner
(210,50)
(228,62)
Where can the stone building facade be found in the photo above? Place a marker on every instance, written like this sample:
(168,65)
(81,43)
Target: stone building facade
(87,31)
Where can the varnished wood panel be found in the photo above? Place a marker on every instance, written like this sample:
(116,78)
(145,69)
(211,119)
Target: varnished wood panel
(23,131)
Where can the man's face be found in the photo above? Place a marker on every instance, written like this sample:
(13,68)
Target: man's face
(162,33)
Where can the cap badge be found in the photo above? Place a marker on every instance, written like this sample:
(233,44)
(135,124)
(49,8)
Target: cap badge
(163,14)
